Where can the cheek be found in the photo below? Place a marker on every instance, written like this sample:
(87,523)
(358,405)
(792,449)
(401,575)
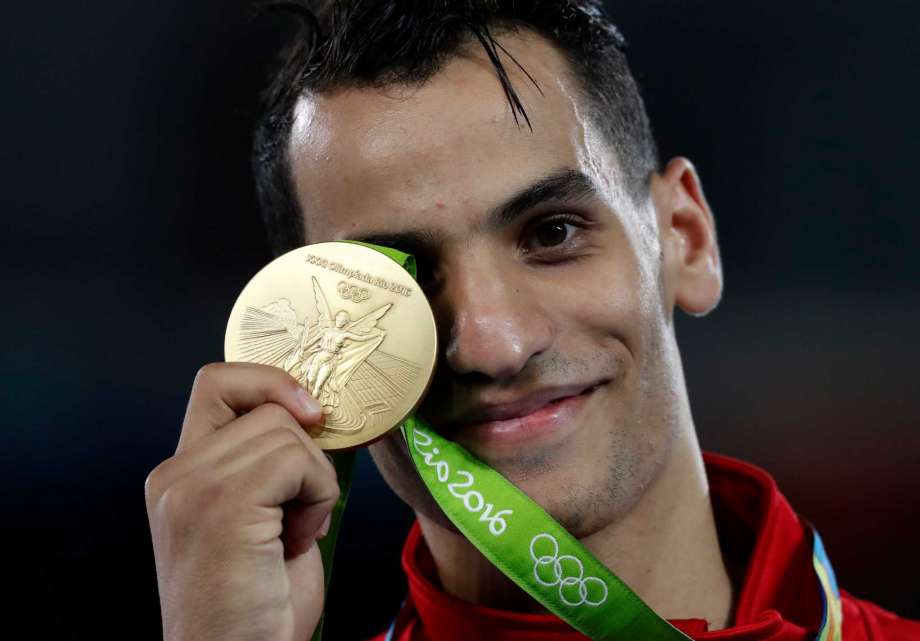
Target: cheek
(610,299)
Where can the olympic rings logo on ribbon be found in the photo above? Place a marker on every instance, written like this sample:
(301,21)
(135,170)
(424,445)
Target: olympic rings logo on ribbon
(568,573)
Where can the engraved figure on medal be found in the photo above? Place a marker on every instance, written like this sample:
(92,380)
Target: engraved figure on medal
(336,359)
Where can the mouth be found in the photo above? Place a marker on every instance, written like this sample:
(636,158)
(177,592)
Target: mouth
(550,414)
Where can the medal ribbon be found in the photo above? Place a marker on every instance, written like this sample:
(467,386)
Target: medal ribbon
(528,545)
(536,552)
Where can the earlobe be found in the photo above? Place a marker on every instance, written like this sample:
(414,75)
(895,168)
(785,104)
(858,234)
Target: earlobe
(693,268)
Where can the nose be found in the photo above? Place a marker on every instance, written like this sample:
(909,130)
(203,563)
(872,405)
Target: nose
(495,318)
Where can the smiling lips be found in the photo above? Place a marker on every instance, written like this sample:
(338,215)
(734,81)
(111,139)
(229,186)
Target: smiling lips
(547,412)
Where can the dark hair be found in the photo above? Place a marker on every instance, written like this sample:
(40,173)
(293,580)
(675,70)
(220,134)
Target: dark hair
(373,43)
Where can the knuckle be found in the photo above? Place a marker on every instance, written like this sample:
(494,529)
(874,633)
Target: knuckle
(188,499)
(331,488)
(296,457)
(278,414)
(179,498)
(187,514)
(284,436)
(294,454)
(206,374)
(327,482)
(172,503)
(154,482)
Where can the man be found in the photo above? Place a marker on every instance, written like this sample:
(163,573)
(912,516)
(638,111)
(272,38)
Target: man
(505,145)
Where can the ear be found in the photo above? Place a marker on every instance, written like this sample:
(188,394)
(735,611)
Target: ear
(692,269)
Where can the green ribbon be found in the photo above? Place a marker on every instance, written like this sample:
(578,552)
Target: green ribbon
(528,545)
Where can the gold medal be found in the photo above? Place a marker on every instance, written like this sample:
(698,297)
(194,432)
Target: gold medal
(350,325)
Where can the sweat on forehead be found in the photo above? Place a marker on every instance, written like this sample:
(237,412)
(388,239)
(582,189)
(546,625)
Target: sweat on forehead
(368,154)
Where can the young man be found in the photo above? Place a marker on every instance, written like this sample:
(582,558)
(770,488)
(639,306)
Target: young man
(505,145)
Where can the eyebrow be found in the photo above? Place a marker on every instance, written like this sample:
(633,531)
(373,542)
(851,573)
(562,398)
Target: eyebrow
(562,185)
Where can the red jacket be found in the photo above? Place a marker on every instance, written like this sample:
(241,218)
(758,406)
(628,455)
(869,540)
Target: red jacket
(762,539)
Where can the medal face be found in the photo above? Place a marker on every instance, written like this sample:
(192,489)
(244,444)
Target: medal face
(351,326)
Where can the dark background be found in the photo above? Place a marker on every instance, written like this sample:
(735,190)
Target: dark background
(129,226)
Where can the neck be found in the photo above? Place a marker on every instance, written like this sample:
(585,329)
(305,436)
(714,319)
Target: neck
(666,549)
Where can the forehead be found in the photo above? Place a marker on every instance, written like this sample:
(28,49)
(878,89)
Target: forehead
(380,159)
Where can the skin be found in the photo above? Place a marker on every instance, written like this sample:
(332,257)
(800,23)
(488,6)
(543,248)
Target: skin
(527,303)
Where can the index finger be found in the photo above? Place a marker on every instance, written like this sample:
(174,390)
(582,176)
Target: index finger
(223,391)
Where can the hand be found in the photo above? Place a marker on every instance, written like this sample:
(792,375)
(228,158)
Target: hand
(236,512)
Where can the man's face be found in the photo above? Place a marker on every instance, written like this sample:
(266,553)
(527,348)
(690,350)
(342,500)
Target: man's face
(558,365)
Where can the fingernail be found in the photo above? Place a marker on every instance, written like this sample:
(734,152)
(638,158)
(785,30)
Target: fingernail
(308,402)
(324,528)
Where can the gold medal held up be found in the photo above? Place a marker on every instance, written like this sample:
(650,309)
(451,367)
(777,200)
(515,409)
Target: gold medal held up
(350,325)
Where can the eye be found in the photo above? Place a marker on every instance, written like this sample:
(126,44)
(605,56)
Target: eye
(553,232)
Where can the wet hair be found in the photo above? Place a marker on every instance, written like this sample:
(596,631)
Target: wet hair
(377,43)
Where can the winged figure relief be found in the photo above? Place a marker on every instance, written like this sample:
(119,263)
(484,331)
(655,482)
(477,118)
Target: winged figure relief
(334,357)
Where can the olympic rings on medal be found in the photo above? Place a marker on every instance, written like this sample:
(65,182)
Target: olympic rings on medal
(575,577)
(353,292)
